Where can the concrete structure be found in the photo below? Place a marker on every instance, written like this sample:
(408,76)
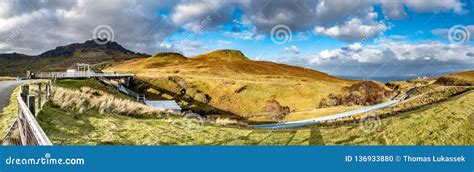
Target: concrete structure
(164,104)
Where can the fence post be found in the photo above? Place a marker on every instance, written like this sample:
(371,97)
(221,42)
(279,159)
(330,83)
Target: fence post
(50,83)
(25,91)
(47,91)
(31,104)
(21,126)
(39,95)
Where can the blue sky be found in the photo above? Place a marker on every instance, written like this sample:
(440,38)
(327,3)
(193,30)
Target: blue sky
(357,38)
(417,27)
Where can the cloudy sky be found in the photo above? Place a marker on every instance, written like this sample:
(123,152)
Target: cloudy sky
(341,37)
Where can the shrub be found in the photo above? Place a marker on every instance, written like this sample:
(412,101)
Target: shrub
(361,93)
(275,110)
(87,98)
(201,97)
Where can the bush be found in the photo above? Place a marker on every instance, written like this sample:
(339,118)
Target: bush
(275,110)
(361,93)
(201,97)
(87,98)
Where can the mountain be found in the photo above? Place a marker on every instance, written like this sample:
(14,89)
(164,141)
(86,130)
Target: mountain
(88,46)
(64,57)
(226,82)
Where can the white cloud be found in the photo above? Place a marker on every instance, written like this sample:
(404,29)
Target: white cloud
(435,5)
(395,9)
(223,43)
(356,46)
(56,23)
(165,46)
(444,31)
(251,34)
(352,30)
(143,25)
(292,49)
(399,51)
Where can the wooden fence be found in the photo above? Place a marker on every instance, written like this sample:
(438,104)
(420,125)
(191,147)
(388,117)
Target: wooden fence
(30,132)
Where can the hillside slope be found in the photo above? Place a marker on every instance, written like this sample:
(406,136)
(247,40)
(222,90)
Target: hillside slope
(255,90)
(465,78)
(447,123)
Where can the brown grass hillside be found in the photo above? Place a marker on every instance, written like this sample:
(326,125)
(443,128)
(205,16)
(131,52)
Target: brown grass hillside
(238,87)
(465,78)
(223,55)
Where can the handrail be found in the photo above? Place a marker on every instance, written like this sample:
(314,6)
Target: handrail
(25,114)
(78,75)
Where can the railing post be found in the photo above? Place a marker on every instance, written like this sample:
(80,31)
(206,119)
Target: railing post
(31,104)
(21,126)
(25,91)
(47,91)
(39,95)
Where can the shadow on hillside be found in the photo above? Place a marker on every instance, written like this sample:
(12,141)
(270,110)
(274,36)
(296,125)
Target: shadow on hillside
(199,107)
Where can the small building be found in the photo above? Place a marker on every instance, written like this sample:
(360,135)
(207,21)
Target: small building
(70,72)
(164,104)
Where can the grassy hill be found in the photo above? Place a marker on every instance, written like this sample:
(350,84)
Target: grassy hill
(449,122)
(237,87)
(465,78)
(223,55)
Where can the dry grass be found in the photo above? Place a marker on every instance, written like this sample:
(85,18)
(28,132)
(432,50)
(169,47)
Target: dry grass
(240,87)
(7,78)
(457,79)
(87,98)
(424,97)
(320,112)
(228,122)
(446,123)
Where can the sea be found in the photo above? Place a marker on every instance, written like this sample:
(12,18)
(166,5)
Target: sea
(383,79)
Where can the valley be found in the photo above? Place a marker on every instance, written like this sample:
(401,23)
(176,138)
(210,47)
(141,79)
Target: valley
(233,94)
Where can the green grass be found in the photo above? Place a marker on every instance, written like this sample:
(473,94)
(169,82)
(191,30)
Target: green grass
(65,127)
(9,114)
(436,125)
(447,123)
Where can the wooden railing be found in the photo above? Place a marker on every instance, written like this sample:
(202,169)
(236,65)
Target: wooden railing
(30,132)
(59,75)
